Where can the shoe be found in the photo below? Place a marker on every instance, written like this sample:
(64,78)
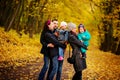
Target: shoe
(60,58)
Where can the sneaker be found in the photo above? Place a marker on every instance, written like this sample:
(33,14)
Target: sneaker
(60,58)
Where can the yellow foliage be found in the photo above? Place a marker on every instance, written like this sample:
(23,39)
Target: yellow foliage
(13,48)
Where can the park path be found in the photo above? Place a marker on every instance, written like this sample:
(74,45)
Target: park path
(101,66)
(30,70)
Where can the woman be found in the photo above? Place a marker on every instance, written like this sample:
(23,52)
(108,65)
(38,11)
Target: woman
(44,51)
(79,62)
(53,51)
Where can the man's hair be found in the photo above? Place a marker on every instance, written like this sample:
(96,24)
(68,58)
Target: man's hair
(55,20)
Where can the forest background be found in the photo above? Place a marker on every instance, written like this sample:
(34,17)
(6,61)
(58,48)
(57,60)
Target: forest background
(100,16)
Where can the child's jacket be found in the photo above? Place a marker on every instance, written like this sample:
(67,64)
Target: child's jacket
(84,37)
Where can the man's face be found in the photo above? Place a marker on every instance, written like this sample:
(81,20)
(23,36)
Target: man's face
(55,24)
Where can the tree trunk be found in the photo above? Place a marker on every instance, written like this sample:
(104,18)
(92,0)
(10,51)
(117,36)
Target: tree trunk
(108,30)
(118,49)
(108,41)
(17,26)
(13,17)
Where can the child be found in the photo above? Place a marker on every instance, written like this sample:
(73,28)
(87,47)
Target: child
(83,36)
(63,37)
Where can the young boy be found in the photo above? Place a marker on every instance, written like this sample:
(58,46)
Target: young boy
(63,37)
(83,36)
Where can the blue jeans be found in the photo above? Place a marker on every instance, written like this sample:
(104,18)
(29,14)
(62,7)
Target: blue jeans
(54,69)
(59,71)
(61,52)
(45,67)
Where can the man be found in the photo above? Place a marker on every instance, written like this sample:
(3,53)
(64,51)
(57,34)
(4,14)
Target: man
(55,23)
(53,52)
(60,62)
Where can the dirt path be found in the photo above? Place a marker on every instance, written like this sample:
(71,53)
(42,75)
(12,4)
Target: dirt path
(101,66)
(30,70)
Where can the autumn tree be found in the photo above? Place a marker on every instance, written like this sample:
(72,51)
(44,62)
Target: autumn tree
(110,26)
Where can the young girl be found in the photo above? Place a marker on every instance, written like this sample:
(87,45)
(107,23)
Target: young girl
(84,36)
(62,37)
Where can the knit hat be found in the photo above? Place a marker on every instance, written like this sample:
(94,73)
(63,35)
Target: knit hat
(71,26)
(81,25)
(63,23)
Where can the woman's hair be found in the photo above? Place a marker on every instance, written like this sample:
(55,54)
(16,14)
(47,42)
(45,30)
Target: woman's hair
(71,26)
(46,28)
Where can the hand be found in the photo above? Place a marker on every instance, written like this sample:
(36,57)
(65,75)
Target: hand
(83,37)
(56,34)
(81,41)
(50,45)
(76,33)
(66,42)
(80,55)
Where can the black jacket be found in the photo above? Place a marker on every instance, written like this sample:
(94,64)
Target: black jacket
(80,63)
(44,49)
(51,38)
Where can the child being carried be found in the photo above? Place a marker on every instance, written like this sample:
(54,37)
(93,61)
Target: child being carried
(62,37)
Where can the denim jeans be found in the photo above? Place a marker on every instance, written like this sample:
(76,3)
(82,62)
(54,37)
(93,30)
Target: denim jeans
(61,52)
(54,69)
(45,67)
(59,71)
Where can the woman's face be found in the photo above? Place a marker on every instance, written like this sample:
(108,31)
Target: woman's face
(74,30)
(51,26)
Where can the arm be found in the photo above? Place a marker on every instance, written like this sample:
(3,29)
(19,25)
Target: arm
(74,40)
(87,36)
(51,39)
(43,42)
(42,39)
(79,37)
(66,35)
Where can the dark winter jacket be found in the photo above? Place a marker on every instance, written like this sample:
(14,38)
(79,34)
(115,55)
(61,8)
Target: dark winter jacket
(44,49)
(51,38)
(79,63)
(84,37)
